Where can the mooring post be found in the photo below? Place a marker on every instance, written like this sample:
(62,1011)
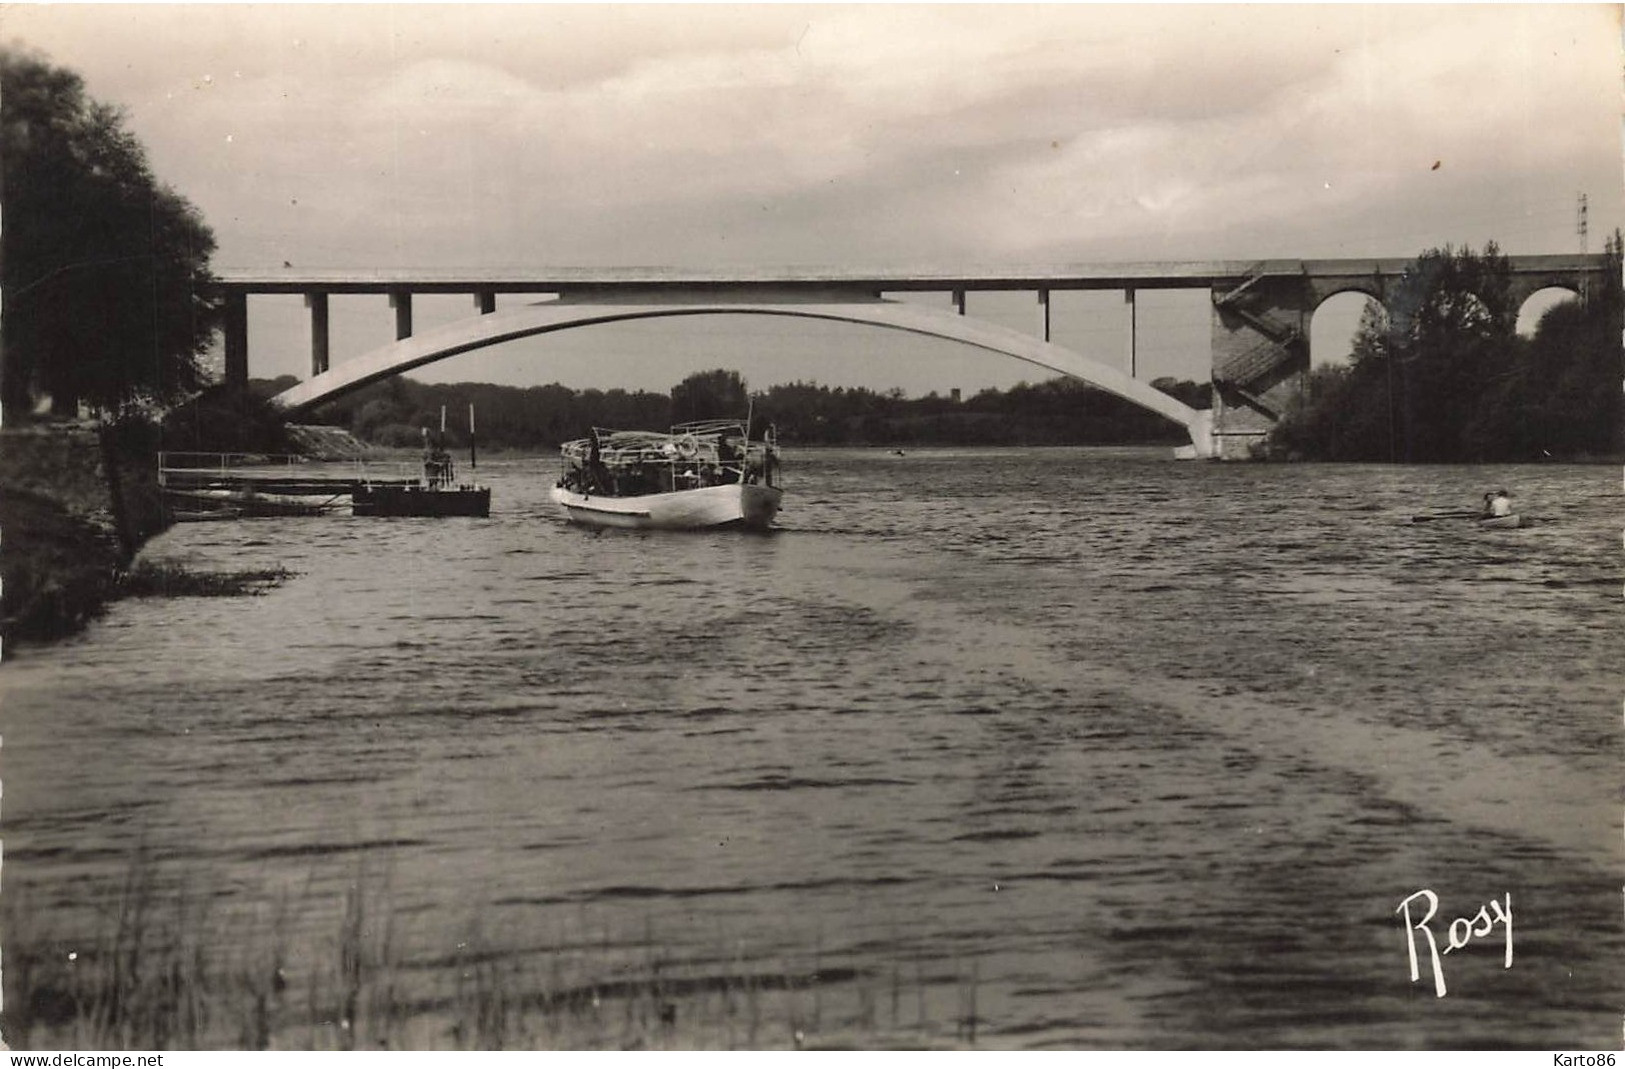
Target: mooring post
(317,303)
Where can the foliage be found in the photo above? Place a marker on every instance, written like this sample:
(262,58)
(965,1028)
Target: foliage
(1444,377)
(396,410)
(100,263)
(1562,396)
(222,420)
(715,394)
(170,959)
(1058,412)
(58,570)
(149,579)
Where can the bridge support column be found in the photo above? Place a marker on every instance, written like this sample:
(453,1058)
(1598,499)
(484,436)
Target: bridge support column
(485,302)
(317,303)
(235,327)
(1133,333)
(401,301)
(1043,314)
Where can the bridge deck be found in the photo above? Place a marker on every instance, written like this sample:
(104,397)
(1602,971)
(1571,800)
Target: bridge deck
(1192,274)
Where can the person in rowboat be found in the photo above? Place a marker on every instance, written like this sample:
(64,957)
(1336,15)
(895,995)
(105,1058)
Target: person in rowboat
(1497,504)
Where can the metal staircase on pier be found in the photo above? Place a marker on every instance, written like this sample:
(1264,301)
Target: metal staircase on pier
(1283,343)
(1239,373)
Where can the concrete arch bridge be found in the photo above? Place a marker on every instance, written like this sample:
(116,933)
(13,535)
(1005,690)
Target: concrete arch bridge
(1258,351)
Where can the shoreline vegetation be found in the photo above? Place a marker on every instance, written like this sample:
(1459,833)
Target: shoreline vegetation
(1058,411)
(62,567)
(162,968)
(1442,376)
(150,579)
(62,571)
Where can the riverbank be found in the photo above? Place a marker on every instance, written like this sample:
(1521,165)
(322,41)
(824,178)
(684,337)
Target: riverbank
(77,503)
(59,569)
(77,500)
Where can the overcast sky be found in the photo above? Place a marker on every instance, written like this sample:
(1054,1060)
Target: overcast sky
(403,136)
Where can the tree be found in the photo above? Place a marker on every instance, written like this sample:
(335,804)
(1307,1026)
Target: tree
(1418,381)
(1451,330)
(715,394)
(102,266)
(1561,395)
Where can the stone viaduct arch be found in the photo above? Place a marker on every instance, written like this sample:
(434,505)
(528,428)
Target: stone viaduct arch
(1568,293)
(564,314)
(1261,321)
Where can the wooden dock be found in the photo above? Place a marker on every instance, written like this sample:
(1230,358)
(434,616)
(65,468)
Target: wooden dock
(210,486)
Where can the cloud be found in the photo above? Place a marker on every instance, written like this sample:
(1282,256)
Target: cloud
(557,134)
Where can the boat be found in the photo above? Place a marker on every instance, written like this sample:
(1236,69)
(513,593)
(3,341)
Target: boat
(435,493)
(1478,516)
(204,515)
(702,474)
(237,502)
(420,499)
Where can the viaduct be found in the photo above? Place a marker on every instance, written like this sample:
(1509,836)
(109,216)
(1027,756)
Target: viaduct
(1259,341)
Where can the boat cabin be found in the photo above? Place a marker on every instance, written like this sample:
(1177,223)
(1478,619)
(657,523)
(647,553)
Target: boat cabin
(691,456)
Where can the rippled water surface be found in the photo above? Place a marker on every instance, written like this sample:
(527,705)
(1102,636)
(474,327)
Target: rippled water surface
(1094,747)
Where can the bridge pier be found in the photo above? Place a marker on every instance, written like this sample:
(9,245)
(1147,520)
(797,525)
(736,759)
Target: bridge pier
(1133,331)
(317,303)
(235,328)
(1260,352)
(401,301)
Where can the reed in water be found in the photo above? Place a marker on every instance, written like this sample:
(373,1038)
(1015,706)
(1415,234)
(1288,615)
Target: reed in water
(162,968)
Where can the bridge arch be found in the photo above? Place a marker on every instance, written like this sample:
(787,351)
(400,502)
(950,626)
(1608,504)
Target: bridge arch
(571,313)
(1366,287)
(1541,301)
(1335,322)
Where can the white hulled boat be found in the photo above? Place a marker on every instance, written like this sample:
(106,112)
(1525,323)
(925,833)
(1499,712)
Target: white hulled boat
(704,474)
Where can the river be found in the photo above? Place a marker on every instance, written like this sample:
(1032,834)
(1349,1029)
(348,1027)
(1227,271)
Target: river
(1004,748)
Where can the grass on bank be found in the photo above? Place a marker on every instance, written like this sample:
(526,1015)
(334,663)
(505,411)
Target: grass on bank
(58,571)
(163,968)
(148,579)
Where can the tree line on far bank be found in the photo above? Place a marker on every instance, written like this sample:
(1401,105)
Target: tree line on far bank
(1060,411)
(1444,377)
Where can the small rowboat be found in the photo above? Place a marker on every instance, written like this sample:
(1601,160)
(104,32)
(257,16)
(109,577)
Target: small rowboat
(252,502)
(204,515)
(1510,520)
